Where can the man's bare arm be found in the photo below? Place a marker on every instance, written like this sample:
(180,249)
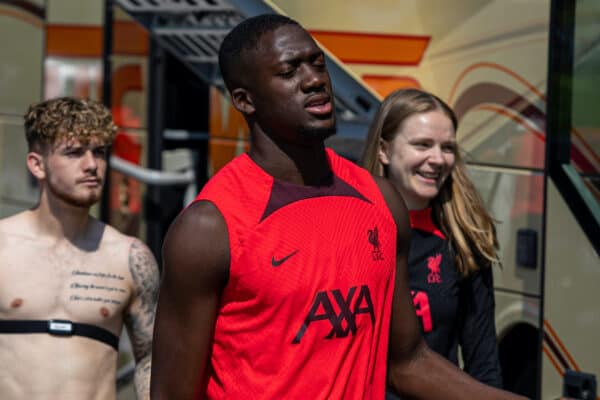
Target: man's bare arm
(195,270)
(414,370)
(140,314)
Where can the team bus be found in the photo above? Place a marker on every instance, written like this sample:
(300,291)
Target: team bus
(522,76)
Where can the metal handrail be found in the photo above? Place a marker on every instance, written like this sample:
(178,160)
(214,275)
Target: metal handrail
(150,176)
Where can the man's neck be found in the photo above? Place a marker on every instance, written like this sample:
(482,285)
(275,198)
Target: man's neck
(58,220)
(301,165)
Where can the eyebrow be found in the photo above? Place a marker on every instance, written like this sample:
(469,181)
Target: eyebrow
(297,56)
(70,147)
(419,138)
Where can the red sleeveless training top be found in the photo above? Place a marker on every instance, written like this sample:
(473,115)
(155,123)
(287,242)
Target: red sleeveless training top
(306,311)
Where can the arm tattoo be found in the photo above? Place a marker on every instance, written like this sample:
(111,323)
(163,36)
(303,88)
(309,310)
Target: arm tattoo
(140,315)
(141,378)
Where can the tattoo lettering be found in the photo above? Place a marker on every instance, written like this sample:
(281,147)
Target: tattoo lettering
(91,292)
(98,275)
(84,286)
(75,297)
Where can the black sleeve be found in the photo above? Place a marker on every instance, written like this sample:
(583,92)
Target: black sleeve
(478,334)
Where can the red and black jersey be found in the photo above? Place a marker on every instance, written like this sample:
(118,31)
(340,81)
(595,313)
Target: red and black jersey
(306,310)
(453,310)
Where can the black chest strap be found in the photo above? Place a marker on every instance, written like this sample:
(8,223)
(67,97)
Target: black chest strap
(60,327)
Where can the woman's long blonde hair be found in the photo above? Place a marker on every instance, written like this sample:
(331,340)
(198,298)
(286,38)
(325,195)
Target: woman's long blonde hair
(457,208)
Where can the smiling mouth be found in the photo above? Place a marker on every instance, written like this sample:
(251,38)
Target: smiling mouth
(430,176)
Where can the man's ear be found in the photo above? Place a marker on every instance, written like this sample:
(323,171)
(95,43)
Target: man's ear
(384,152)
(35,164)
(242,101)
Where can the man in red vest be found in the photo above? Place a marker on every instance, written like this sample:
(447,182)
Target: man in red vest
(287,276)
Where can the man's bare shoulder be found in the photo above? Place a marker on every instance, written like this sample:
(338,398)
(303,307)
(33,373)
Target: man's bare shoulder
(129,244)
(16,225)
(143,269)
(12,219)
(115,242)
(138,257)
(197,243)
(17,234)
(200,218)
(111,235)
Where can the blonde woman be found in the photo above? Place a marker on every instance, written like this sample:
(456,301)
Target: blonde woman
(412,142)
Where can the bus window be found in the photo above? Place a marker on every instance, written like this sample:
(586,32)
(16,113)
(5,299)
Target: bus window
(585,135)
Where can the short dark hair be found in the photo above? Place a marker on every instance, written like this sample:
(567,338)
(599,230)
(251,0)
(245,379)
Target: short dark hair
(246,36)
(67,117)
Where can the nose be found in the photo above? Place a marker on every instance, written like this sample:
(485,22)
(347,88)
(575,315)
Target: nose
(313,78)
(89,162)
(436,156)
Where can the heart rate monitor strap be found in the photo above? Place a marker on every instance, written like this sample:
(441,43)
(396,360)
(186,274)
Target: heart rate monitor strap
(60,327)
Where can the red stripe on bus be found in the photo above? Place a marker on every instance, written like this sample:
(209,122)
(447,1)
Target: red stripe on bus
(86,40)
(372,48)
(548,340)
(385,84)
(560,344)
(527,84)
(561,372)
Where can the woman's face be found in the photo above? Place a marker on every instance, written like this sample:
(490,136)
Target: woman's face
(420,157)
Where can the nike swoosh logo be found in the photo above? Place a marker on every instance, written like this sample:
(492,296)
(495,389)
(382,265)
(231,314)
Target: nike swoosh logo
(277,263)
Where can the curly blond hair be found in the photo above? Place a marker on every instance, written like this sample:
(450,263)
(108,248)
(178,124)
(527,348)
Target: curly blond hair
(67,117)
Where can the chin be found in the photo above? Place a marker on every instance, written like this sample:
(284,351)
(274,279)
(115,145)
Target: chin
(426,194)
(83,201)
(427,198)
(320,133)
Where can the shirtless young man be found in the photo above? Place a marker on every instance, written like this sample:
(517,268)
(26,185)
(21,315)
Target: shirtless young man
(59,264)
(287,277)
